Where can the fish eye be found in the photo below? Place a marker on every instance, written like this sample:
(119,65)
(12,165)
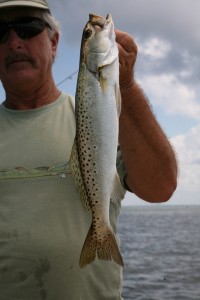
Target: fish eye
(87,33)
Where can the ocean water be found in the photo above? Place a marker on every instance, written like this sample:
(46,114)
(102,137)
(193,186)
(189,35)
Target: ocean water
(161,249)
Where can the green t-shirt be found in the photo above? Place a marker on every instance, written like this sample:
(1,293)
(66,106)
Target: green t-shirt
(43,223)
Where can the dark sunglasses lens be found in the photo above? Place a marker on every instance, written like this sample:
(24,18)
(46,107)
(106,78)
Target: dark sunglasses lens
(23,30)
(4,32)
(26,31)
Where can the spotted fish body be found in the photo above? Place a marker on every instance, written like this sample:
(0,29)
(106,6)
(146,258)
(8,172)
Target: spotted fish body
(93,158)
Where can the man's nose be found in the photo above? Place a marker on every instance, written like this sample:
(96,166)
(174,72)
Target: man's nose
(13,40)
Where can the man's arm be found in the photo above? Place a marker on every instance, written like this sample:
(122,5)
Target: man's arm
(147,154)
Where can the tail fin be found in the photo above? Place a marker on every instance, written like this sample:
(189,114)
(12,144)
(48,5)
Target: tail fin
(103,244)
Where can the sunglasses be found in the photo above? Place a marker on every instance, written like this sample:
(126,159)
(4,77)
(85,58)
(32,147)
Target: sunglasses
(25,28)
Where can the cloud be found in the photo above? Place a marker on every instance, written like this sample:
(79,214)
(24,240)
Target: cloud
(173,18)
(155,48)
(188,151)
(164,30)
(174,96)
(167,68)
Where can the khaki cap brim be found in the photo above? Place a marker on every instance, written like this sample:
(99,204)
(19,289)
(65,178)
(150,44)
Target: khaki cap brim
(37,4)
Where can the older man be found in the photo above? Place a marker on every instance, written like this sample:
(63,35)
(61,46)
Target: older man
(42,221)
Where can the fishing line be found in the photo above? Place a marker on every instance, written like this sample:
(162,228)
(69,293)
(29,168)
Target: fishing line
(68,77)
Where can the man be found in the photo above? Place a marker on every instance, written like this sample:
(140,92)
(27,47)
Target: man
(42,221)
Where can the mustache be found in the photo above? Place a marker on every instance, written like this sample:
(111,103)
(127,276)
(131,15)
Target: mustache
(16,56)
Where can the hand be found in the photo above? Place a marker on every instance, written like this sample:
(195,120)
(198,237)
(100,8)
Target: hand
(127,57)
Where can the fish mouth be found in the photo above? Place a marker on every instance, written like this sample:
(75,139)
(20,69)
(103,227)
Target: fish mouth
(99,20)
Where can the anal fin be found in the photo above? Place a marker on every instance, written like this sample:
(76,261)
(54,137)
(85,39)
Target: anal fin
(118,191)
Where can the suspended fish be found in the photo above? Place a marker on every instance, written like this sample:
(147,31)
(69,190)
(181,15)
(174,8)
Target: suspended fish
(93,159)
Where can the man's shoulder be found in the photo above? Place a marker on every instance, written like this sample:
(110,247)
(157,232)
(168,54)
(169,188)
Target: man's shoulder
(68,100)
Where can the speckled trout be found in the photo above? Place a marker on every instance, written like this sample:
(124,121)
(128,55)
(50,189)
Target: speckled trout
(93,158)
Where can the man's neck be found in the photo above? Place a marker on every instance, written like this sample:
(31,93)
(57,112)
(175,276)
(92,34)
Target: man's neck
(18,100)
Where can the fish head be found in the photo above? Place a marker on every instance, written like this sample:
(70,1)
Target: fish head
(99,47)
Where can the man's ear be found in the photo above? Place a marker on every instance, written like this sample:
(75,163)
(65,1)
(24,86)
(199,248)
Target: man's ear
(54,43)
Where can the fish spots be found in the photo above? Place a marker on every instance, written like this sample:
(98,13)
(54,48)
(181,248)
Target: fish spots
(86,151)
(97,137)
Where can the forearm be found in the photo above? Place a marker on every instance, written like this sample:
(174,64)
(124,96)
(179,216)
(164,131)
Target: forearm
(147,154)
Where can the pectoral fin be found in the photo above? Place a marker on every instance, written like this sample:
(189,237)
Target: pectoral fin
(103,82)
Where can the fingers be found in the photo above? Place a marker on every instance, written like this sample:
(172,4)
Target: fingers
(127,56)
(126,41)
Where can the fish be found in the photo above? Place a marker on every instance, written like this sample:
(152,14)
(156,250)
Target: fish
(94,152)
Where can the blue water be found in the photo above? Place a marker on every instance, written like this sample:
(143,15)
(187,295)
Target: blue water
(161,250)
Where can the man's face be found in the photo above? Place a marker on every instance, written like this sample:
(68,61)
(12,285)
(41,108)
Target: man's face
(25,61)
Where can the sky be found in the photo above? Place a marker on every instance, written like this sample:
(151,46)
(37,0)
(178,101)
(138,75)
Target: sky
(167,69)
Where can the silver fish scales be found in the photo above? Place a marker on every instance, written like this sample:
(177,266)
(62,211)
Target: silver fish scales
(93,158)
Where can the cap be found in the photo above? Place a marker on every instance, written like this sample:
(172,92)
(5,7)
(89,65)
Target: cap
(30,3)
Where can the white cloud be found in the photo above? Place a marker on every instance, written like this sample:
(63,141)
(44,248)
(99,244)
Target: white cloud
(174,96)
(154,47)
(187,148)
